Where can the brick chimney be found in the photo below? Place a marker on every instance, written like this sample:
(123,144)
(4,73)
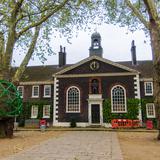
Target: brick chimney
(62,56)
(133,53)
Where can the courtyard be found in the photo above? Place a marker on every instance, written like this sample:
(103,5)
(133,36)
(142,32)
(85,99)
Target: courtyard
(80,145)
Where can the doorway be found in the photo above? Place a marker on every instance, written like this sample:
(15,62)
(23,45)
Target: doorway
(95,113)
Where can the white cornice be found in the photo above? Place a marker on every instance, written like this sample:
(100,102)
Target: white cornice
(97,58)
(36,82)
(96,75)
(146,79)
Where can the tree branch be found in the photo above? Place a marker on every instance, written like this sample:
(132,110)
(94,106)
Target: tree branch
(26,59)
(56,9)
(138,14)
(151,8)
(11,34)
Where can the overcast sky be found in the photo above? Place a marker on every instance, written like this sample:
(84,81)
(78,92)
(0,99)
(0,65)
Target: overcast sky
(116,44)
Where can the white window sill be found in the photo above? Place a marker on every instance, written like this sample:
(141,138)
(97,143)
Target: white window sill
(149,94)
(46,116)
(35,97)
(46,96)
(33,117)
(151,116)
(118,111)
(73,112)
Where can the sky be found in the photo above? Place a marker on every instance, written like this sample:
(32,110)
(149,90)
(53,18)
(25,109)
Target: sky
(116,44)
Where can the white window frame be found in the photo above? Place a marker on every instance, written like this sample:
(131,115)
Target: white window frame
(22,87)
(67,100)
(47,96)
(125,100)
(46,116)
(33,95)
(34,116)
(154,113)
(148,94)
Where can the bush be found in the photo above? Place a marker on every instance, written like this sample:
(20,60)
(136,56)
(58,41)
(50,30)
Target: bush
(73,123)
(132,110)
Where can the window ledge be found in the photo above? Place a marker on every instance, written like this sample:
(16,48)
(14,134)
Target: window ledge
(34,117)
(46,116)
(73,112)
(35,97)
(148,94)
(46,96)
(118,111)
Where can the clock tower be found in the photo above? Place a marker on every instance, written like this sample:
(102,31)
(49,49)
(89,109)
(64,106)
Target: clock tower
(96,48)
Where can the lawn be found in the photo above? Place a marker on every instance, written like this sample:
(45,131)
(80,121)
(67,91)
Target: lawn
(139,145)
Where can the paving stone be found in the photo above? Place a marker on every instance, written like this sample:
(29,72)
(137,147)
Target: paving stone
(75,145)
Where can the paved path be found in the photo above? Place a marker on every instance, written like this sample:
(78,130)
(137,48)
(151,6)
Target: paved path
(75,145)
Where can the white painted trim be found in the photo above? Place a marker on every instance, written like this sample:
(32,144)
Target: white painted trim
(78,100)
(146,79)
(33,96)
(96,75)
(44,93)
(138,94)
(148,116)
(91,102)
(67,124)
(124,97)
(36,82)
(97,58)
(22,87)
(55,100)
(148,94)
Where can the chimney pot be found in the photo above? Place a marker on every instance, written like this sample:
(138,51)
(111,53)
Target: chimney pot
(133,53)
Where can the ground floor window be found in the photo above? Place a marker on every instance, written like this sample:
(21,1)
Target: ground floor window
(34,111)
(73,99)
(150,110)
(46,111)
(118,99)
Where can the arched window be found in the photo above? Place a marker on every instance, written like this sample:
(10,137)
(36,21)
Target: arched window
(73,99)
(118,99)
(95,44)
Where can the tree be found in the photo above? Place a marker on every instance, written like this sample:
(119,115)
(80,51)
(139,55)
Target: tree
(27,24)
(140,14)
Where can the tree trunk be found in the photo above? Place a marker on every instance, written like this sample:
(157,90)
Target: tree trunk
(155,42)
(6,127)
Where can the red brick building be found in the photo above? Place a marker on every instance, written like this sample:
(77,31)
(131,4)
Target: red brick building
(78,91)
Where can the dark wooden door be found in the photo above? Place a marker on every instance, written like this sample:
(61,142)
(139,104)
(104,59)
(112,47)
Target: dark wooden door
(95,111)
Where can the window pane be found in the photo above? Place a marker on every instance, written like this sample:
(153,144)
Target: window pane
(150,109)
(149,88)
(35,91)
(46,111)
(118,99)
(34,111)
(73,104)
(20,90)
(47,90)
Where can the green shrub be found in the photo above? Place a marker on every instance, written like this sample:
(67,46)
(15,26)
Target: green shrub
(132,110)
(73,123)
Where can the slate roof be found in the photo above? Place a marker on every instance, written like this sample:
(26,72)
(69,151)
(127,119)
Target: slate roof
(144,67)
(44,73)
(40,73)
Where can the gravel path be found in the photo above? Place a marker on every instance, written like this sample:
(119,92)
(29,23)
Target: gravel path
(75,145)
